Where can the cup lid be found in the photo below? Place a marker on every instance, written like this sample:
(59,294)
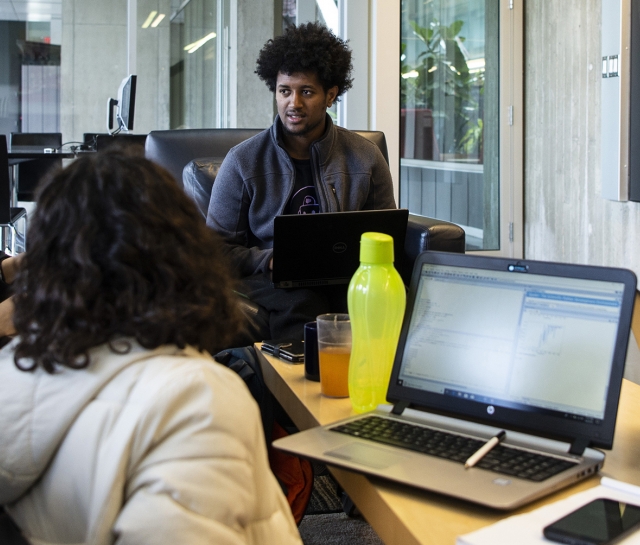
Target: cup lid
(376,248)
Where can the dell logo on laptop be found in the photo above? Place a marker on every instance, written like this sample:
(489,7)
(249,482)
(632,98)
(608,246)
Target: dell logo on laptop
(491,409)
(339,247)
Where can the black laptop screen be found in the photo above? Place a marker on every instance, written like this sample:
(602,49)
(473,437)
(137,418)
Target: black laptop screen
(510,343)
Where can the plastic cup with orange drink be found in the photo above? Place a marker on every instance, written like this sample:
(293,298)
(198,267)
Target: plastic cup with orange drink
(334,351)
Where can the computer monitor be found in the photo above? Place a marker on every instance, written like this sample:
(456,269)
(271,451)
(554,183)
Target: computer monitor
(124,106)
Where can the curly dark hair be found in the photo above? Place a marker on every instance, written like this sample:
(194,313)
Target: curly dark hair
(117,249)
(309,47)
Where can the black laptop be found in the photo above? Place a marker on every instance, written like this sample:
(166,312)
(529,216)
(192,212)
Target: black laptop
(531,348)
(324,249)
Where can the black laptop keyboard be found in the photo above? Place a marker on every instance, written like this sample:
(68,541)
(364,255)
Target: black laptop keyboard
(458,448)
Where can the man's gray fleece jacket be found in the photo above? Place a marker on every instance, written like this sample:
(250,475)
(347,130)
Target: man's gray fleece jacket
(257,177)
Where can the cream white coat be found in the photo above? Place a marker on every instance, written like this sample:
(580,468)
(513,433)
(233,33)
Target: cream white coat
(160,446)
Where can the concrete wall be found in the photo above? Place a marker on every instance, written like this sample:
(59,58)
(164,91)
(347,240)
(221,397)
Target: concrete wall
(94,61)
(566,219)
(197,83)
(153,53)
(255,103)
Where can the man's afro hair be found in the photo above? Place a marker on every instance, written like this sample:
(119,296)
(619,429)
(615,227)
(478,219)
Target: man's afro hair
(309,47)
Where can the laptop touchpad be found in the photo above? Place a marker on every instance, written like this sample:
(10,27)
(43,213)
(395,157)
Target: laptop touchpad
(366,455)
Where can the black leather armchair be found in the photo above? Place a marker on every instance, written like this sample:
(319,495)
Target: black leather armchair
(175,149)
(194,157)
(422,233)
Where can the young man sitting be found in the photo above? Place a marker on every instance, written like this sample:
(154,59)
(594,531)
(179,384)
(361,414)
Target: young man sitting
(302,163)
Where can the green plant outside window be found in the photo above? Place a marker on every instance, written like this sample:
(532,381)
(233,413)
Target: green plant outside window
(449,114)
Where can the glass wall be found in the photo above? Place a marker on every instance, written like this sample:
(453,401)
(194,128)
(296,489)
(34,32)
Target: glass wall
(203,38)
(449,114)
(181,51)
(199,65)
(29,76)
(62,60)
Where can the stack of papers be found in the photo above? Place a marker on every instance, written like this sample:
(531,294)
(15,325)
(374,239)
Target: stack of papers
(527,529)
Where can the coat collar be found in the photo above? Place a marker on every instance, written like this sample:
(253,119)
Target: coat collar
(322,146)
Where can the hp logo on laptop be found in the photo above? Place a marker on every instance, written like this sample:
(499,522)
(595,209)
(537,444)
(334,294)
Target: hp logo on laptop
(491,409)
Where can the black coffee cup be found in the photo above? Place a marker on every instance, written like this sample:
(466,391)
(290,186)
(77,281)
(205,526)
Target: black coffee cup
(311,366)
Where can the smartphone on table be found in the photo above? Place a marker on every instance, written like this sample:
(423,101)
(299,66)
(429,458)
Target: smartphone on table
(600,522)
(291,350)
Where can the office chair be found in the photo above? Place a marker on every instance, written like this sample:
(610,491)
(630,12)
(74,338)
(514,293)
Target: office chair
(30,172)
(13,221)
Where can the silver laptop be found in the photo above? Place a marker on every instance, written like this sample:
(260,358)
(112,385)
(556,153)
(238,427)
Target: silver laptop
(324,249)
(489,344)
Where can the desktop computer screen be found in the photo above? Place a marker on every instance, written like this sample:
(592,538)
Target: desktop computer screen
(124,106)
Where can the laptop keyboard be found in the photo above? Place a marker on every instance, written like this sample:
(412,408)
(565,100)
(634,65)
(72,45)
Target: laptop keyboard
(458,448)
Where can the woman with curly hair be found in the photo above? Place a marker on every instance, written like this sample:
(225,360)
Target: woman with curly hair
(118,426)
(302,164)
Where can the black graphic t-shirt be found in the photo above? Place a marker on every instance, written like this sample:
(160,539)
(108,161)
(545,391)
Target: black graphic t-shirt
(304,199)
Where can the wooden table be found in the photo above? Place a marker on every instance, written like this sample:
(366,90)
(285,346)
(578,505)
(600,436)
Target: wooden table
(404,516)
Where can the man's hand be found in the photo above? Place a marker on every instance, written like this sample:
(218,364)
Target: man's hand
(6,318)
(10,267)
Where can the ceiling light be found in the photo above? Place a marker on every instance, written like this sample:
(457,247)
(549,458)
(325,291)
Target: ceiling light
(149,19)
(157,21)
(199,43)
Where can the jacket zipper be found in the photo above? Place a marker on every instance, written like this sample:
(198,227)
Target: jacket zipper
(335,197)
(321,185)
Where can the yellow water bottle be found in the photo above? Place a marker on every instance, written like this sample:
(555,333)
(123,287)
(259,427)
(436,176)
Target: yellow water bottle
(376,301)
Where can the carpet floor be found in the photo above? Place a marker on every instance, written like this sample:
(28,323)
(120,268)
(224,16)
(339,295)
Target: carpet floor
(325,498)
(325,522)
(337,529)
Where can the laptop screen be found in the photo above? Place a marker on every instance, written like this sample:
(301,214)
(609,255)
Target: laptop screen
(322,249)
(531,343)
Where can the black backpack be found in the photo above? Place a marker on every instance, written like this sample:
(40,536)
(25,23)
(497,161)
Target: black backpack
(244,362)
(9,533)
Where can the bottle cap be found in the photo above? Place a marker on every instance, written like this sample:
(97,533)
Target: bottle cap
(376,248)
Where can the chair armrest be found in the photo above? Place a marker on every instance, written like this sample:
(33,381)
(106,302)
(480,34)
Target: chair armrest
(198,178)
(429,234)
(256,323)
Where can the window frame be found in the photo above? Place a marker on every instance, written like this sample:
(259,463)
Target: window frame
(384,37)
